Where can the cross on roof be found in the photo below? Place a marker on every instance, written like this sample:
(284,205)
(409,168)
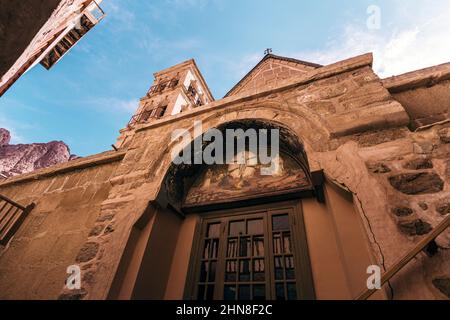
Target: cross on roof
(268,51)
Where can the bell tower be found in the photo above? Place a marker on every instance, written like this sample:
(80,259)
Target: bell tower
(174,90)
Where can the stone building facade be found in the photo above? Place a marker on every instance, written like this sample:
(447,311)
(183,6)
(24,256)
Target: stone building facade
(365,177)
(33,32)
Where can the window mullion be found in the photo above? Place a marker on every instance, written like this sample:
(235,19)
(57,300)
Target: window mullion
(221,260)
(270,268)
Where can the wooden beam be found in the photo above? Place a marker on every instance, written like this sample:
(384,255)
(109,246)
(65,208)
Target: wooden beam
(408,257)
(11,202)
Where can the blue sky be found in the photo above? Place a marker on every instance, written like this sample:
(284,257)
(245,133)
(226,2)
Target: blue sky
(91,94)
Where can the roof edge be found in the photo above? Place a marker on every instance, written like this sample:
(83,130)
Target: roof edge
(268,56)
(325,72)
(425,77)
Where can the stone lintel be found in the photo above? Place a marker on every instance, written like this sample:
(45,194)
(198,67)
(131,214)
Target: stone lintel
(420,78)
(388,115)
(83,163)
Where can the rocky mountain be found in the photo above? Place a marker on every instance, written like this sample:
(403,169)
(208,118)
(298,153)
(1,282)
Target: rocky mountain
(25,158)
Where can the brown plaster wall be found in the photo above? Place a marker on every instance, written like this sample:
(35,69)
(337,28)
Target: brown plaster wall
(353,242)
(153,256)
(125,277)
(156,264)
(180,264)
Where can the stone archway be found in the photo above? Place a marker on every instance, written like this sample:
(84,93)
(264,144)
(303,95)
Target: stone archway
(306,128)
(168,212)
(191,189)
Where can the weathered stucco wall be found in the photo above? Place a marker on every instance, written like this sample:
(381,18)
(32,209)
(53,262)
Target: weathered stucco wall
(33,265)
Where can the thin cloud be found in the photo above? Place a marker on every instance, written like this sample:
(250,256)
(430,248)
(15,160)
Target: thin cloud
(119,105)
(190,3)
(241,67)
(119,15)
(423,42)
(14,128)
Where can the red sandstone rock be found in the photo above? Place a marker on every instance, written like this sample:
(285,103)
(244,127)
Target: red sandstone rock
(25,158)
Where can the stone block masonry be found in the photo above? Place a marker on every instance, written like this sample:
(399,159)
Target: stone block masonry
(68,201)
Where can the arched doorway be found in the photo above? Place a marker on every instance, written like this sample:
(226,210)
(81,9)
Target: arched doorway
(250,241)
(224,231)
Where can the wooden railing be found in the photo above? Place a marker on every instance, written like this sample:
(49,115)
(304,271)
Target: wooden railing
(400,264)
(12,215)
(160,87)
(143,117)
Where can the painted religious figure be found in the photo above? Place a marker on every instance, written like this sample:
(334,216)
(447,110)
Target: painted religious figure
(229,182)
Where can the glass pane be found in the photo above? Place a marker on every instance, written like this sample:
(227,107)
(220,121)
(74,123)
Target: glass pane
(214,230)
(232,248)
(237,228)
(278,268)
(279,290)
(244,248)
(259,270)
(255,226)
(258,247)
(289,265)
(210,293)
(206,249)
(212,271)
(287,242)
(214,249)
(280,223)
(244,270)
(292,291)
(201,293)
(229,293)
(244,292)
(259,292)
(277,245)
(203,271)
(231,270)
